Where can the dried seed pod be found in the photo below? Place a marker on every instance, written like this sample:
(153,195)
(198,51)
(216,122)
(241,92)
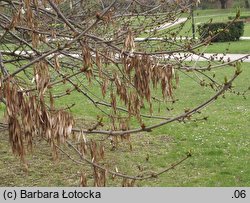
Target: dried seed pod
(83,180)
(129,43)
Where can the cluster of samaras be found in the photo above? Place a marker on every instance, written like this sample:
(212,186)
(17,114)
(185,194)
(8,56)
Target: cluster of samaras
(29,116)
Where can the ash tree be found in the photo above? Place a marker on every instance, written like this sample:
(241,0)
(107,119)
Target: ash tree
(122,57)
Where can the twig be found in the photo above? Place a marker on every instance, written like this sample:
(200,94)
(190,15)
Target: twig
(153,175)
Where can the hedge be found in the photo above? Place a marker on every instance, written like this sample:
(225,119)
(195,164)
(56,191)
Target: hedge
(233,31)
(241,17)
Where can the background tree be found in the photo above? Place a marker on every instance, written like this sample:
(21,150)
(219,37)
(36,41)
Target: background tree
(223,4)
(247,5)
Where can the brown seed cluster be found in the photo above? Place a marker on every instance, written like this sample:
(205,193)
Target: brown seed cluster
(96,153)
(87,61)
(29,116)
(129,43)
(144,75)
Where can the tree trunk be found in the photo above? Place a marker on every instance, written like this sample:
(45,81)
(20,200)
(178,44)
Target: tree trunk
(223,4)
(247,5)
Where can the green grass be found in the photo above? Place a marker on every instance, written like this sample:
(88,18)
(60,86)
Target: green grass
(247,30)
(220,145)
(236,47)
(230,12)
(217,15)
(203,16)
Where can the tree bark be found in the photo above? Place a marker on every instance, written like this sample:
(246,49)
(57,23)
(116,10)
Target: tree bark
(223,4)
(247,5)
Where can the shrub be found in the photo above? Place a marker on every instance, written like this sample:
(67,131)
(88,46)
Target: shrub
(228,31)
(246,18)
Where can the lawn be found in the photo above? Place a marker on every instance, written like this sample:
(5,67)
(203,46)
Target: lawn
(220,145)
(236,47)
(214,15)
(203,16)
(218,15)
